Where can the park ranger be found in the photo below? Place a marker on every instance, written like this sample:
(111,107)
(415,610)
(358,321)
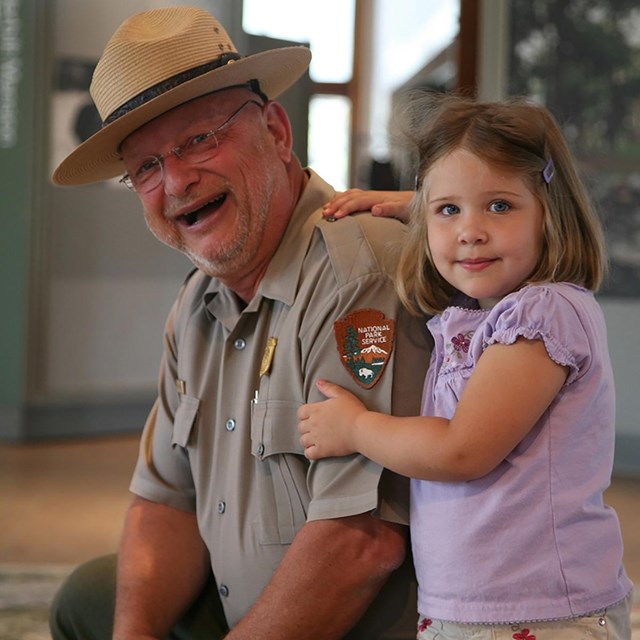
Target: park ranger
(231,530)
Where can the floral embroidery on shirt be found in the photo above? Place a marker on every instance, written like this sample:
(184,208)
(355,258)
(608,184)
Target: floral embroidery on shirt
(523,635)
(458,347)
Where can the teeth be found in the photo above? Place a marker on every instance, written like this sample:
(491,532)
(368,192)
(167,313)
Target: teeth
(193,216)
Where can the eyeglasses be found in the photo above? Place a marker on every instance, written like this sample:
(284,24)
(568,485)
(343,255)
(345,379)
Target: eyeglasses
(148,172)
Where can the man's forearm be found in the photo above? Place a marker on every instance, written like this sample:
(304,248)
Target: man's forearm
(331,573)
(162,567)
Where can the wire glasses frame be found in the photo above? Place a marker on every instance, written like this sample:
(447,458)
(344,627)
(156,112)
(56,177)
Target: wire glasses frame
(198,148)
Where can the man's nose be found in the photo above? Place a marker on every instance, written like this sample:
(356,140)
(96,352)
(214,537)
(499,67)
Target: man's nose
(177,175)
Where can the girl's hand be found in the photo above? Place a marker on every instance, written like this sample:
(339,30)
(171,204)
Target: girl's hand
(328,427)
(388,204)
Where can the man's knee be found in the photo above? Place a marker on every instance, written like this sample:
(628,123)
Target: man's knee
(84,605)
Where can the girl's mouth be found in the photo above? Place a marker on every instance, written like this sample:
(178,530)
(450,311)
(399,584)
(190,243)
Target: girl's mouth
(477,264)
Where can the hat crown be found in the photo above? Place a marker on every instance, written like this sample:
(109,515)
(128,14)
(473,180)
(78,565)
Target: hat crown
(152,47)
(157,61)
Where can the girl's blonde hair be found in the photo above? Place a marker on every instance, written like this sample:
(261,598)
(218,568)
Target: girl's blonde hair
(524,138)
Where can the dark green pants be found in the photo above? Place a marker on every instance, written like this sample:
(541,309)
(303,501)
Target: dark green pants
(83,607)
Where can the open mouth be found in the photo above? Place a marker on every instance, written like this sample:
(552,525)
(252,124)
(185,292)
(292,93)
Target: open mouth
(193,217)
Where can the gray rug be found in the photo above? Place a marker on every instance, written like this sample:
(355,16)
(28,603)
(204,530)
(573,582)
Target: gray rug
(26,592)
(25,595)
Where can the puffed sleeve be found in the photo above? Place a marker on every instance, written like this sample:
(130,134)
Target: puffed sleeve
(557,314)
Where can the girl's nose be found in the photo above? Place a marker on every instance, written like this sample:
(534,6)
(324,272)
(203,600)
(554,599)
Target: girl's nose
(471,231)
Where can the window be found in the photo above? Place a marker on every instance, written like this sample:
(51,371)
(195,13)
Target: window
(328,27)
(349,116)
(407,35)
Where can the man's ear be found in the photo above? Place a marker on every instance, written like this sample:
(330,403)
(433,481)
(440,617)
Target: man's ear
(279,125)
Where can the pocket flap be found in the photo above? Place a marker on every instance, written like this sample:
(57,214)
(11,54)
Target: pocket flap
(184,420)
(274,428)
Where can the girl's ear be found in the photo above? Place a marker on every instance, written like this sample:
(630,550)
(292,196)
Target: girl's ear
(280,127)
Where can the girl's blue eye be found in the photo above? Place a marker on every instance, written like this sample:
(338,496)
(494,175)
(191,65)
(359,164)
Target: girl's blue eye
(500,206)
(449,209)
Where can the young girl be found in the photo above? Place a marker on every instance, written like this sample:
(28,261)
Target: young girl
(510,459)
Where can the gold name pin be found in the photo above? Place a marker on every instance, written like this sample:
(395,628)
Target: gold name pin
(267,357)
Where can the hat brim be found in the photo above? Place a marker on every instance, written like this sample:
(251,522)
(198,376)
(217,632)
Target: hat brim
(97,158)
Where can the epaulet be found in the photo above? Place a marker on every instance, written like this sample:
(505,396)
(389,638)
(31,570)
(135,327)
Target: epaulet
(360,244)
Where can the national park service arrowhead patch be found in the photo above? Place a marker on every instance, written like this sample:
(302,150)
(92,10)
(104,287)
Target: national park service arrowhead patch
(365,341)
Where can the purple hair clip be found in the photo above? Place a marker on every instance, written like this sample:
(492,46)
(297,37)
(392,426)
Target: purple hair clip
(549,171)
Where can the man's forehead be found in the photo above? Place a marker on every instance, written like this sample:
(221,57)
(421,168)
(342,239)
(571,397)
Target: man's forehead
(208,107)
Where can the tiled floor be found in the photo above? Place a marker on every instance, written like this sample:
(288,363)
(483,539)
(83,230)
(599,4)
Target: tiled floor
(63,503)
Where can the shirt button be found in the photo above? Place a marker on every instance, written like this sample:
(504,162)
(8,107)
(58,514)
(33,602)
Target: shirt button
(222,506)
(239,344)
(260,449)
(230,424)
(224,590)
(445,315)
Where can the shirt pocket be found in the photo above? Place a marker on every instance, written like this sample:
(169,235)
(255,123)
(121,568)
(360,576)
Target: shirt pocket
(184,421)
(276,448)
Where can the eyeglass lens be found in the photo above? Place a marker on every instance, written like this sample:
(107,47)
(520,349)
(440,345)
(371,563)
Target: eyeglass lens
(199,148)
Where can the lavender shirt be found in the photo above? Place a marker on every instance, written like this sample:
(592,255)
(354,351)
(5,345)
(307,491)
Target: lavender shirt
(532,540)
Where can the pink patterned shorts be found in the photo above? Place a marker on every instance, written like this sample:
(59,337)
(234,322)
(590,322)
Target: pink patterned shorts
(614,623)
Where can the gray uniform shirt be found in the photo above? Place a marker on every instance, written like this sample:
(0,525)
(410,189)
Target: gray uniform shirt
(222,439)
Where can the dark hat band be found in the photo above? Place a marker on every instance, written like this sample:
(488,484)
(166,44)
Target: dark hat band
(167,85)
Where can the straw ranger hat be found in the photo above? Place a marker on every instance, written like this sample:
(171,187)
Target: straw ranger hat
(158,60)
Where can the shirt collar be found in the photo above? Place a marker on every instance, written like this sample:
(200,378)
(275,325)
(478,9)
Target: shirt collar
(280,281)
